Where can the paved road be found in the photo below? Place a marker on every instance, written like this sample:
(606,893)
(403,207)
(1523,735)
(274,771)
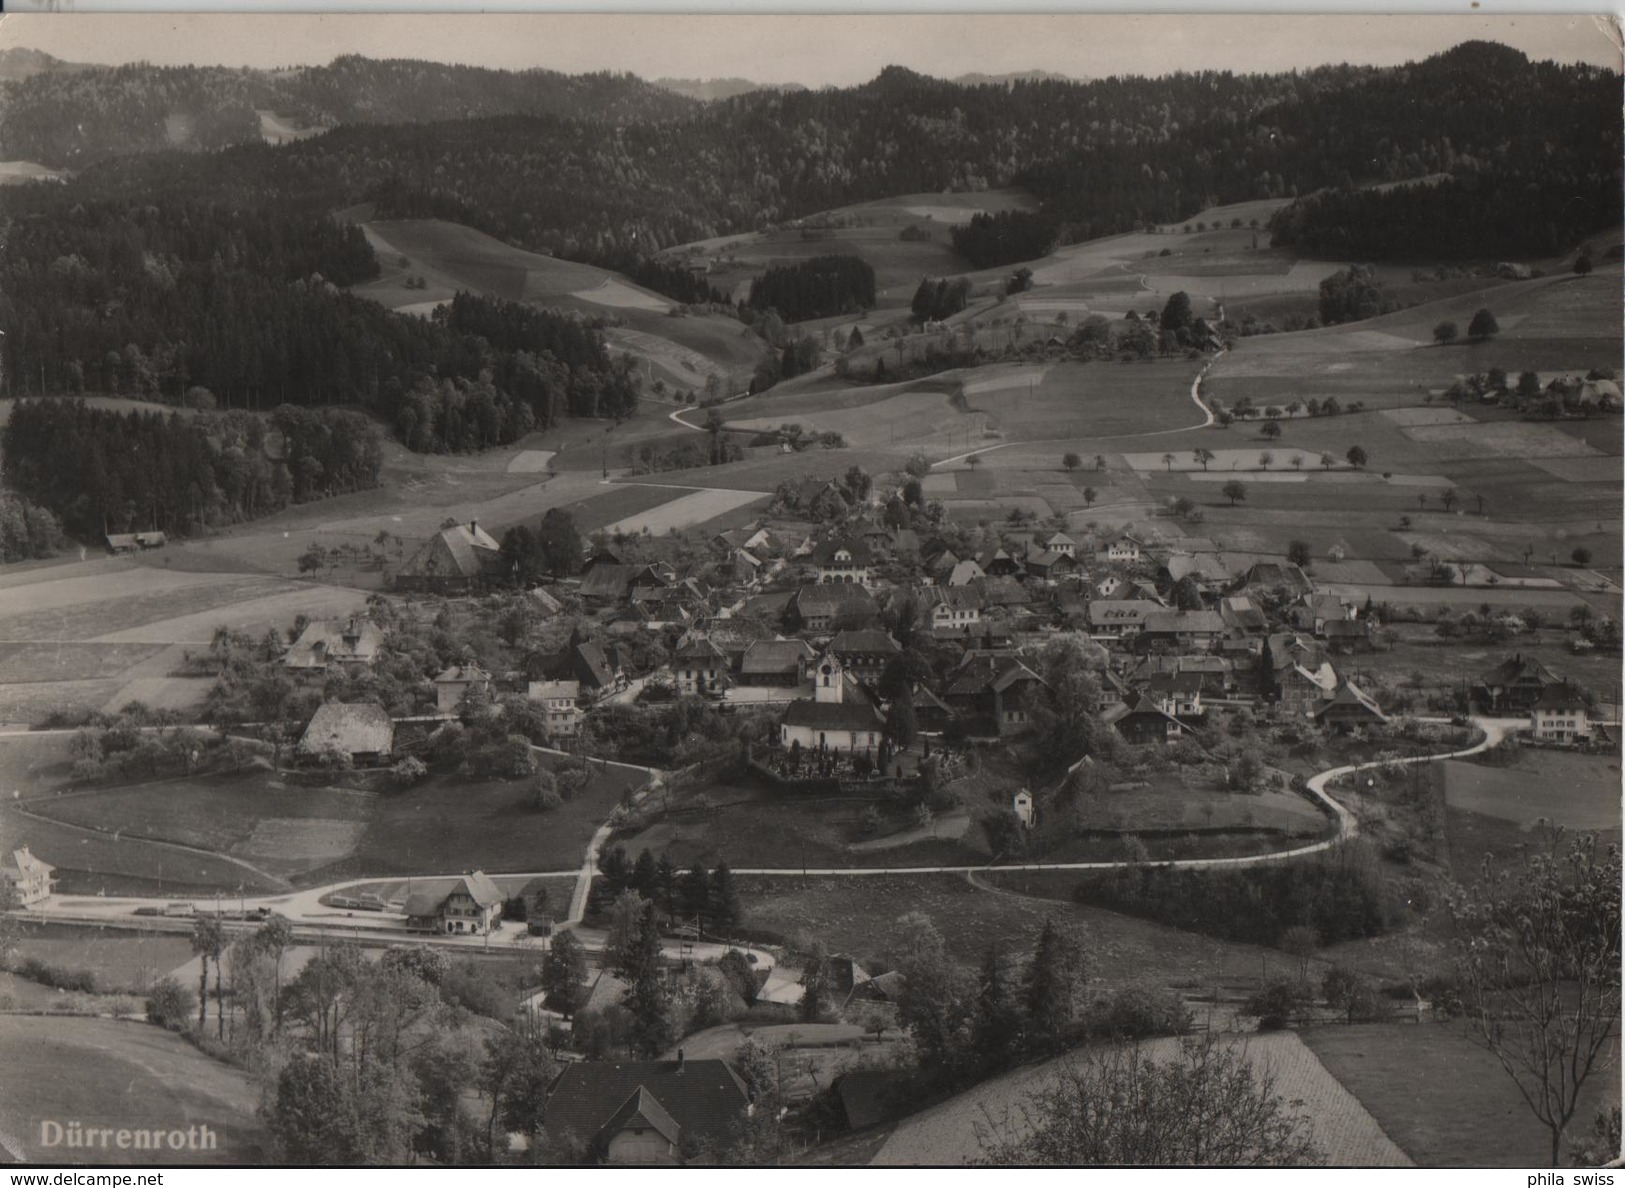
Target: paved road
(305,909)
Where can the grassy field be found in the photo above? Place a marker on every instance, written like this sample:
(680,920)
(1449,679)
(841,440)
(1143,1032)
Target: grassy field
(283,829)
(449,824)
(1573,790)
(1397,1072)
(129,961)
(102,1072)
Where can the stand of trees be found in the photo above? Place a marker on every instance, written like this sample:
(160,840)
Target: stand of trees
(942,299)
(102,471)
(821,287)
(1008,237)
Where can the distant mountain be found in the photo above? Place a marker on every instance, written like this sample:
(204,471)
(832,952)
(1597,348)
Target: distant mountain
(18,64)
(707,89)
(1004,80)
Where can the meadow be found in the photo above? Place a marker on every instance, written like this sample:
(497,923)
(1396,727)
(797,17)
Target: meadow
(1398,1071)
(122,1074)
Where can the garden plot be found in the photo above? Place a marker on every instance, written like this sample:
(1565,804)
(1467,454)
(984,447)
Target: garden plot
(948,1134)
(1498,439)
(940,483)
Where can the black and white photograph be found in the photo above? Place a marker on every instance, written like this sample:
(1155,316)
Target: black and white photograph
(939,589)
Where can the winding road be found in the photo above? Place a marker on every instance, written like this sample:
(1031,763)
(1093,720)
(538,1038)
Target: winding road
(305,909)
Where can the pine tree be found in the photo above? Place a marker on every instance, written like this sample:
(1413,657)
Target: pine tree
(666,882)
(696,891)
(724,896)
(645,875)
(815,983)
(1049,987)
(647,1000)
(998,1023)
(564,973)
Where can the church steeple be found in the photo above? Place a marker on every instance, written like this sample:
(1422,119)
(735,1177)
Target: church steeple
(829,680)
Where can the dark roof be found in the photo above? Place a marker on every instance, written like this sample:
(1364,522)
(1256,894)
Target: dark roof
(463,550)
(824,554)
(700,649)
(1518,668)
(1561,696)
(1180,622)
(704,1097)
(641,1106)
(1175,682)
(863,1093)
(832,715)
(774,655)
(849,642)
(615,582)
(834,599)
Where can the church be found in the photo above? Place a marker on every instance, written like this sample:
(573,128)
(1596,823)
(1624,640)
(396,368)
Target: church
(839,718)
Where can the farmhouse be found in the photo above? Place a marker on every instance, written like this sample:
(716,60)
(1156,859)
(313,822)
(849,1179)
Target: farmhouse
(1177,693)
(644,1112)
(1275,575)
(452,685)
(832,720)
(1183,629)
(360,733)
(1124,548)
(832,608)
(993,695)
(965,572)
(1143,721)
(1060,542)
(1560,715)
(455,560)
(1117,618)
(1513,686)
(328,644)
(1051,566)
(468,904)
(130,542)
(1349,707)
(775,662)
(25,876)
(560,703)
(596,668)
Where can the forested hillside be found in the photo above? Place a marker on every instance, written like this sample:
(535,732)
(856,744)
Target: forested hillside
(73,119)
(102,471)
(155,300)
(1101,156)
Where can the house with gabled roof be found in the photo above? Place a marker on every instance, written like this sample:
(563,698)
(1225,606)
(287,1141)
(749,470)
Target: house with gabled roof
(467,904)
(1141,720)
(328,644)
(778,663)
(843,560)
(1124,548)
(951,606)
(1513,686)
(1117,618)
(457,559)
(452,685)
(1348,707)
(644,1113)
(27,878)
(828,608)
(1560,715)
(993,695)
(560,701)
(700,667)
(864,653)
(362,733)
(965,572)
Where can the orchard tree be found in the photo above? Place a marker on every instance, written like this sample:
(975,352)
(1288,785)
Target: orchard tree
(1357,456)
(1271,430)
(1539,964)
(1445,333)
(1235,491)
(1208,1106)
(1071,461)
(1202,457)
(1483,326)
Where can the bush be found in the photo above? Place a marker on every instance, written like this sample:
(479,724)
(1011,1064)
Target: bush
(1276,1004)
(169,1004)
(1139,1012)
(80,980)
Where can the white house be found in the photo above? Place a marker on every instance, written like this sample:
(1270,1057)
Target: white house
(1125,548)
(1560,715)
(844,562)
(832,721)
(451,686)
(560,701)
(26,876)
(1022,806)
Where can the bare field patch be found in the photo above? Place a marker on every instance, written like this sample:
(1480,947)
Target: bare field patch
(530,462)
(292,844)
(66,661)
(684,511)
(620,295)
(1408,417)
(1498,439)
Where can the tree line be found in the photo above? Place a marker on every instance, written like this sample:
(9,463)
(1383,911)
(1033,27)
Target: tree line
(1101,157)
(103,471)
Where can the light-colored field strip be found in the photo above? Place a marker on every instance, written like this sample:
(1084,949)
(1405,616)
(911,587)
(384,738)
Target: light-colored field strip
(621,296)
(1500,439)
(1236,459)
(1408,417)
(1582,470)
(1018,377)
(530,462)
(948,1134)
(276,610)
(684,511)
